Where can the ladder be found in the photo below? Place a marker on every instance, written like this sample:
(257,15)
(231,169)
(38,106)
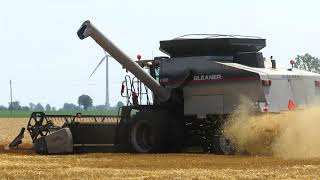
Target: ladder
(135,92)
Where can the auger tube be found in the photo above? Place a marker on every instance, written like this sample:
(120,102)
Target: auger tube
(87,29)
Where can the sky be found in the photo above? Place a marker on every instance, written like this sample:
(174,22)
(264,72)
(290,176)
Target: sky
(47,63)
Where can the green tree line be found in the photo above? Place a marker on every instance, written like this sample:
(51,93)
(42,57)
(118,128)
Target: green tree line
(85,102)
(308,63)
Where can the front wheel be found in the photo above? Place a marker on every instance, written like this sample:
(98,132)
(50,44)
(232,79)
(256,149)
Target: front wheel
(141,137)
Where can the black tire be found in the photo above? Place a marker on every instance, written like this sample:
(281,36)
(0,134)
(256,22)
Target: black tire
(142,137)
(222,145)
(226,146)
(156,132)
(149,133)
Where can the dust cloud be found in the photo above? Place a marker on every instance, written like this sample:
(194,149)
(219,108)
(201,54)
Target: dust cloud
(290,135)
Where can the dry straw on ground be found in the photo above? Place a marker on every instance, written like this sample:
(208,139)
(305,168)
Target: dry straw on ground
(291,135)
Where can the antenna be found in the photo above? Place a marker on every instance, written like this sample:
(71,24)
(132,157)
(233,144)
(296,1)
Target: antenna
(11,98)
(107,79)
(106,56)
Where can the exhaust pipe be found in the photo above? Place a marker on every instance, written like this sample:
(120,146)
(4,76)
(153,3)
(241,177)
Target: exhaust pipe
(87,29)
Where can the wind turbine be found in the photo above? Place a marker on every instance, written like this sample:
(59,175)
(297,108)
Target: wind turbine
(106,56)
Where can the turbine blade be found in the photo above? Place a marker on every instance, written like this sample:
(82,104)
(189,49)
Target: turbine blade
(97,66)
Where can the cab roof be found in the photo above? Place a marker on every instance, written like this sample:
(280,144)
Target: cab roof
(186,46)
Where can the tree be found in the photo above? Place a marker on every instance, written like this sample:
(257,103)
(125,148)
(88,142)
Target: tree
(39,107)
(85,101)
(25,108)
(15,105)
(99,107)
(308,63)
(48,107)
(32,106)
(120,104)
(70,107)
(3,108)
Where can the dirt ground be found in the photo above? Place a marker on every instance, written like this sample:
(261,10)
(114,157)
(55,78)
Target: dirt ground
(24,164)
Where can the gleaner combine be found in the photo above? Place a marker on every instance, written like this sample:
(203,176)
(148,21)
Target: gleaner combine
(193,92)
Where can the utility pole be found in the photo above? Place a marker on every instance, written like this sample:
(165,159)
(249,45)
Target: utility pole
(107,82)
(10,98)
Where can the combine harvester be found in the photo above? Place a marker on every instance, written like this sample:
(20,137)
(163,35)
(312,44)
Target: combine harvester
(193,92)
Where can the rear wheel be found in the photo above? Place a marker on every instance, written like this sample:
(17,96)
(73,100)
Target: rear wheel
(226,145)
(223,145)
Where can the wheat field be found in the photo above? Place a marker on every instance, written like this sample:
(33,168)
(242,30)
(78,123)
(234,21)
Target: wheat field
(24,164)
